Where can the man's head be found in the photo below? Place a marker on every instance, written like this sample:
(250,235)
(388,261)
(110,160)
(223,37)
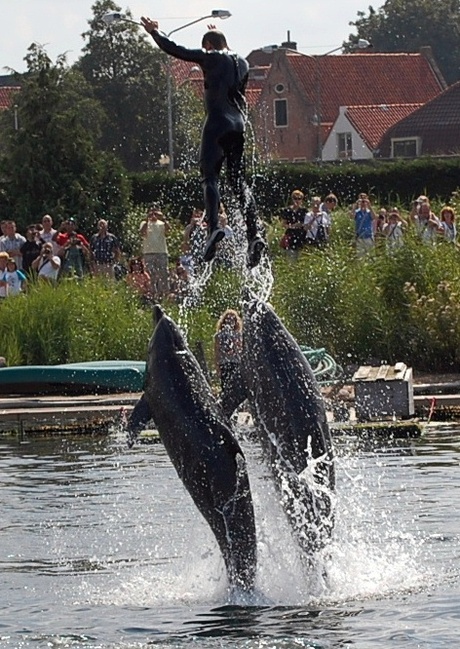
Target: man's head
(214,40)
(30,233)
(47,223)
(315,203)
(425,210)
(394,216)
(154,212)
(102,225)
(331,201)
(10,228)
(71,225)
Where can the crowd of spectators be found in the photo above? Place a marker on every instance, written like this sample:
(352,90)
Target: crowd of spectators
(311,227)
(50,254)
(306,227)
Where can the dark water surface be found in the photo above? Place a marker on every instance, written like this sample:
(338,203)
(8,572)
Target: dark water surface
(102,547)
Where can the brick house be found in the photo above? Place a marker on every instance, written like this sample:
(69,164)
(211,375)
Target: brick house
(432,129)
(301,95)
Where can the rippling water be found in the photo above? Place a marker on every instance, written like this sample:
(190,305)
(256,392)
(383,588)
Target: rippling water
(102,547)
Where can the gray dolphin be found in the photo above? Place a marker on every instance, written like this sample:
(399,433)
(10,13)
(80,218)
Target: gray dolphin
(291,423)
(201,445)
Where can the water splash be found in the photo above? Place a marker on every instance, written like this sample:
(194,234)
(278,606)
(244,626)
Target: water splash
(259,279)
(375,552)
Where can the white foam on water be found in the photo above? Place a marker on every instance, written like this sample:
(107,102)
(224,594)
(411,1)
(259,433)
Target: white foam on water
(373,554)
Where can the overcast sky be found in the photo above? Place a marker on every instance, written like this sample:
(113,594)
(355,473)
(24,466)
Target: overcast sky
(316,25)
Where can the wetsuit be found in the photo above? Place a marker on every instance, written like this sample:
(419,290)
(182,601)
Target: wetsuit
(225,77)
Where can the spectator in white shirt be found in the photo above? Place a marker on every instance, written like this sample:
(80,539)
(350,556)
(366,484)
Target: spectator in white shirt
(47,265)
(11,243)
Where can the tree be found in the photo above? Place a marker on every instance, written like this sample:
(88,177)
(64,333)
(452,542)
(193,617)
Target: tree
(188,113)
(127,75)
(52,162)
(406,25)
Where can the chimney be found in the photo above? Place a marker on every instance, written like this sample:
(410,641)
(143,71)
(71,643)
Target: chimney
(289,45)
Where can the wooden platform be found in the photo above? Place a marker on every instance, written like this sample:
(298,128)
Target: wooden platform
(95,414)
(49,414)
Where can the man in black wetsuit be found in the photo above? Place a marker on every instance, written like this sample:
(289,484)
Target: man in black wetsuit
(225,77)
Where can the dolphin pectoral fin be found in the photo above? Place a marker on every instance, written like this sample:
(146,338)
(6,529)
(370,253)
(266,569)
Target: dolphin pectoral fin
(139,417)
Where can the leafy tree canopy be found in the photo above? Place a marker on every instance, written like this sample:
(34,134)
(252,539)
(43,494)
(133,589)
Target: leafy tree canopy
(51,162)
(407,25)
(128,75)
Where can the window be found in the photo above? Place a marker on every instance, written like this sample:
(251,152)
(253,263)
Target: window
(279,88)
(281,118)
(405,147)
(344,145)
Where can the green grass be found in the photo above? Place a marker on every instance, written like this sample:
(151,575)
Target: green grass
(402,305)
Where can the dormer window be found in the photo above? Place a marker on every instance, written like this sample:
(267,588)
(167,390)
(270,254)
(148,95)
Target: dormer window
(405,147)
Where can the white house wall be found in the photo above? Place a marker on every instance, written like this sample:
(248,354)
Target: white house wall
(342,125)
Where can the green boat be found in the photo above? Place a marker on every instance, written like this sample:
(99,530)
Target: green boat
(96,377)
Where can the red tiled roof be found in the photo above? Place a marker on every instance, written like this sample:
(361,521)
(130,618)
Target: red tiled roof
(252,96)
(184,70)
(350,79)
(6,95)
(437,122)
(372,122)
(442,110)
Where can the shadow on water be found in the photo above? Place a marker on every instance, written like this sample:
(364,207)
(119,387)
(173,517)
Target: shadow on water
(277,621)
(255,626)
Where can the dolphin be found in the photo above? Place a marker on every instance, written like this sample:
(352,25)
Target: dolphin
(291,424)
(201,445)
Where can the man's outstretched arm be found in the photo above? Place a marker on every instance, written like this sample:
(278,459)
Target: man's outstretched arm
(178,51)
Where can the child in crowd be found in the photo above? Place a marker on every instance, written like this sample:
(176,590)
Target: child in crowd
(15,278)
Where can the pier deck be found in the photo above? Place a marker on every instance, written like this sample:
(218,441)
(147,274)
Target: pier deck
(24,414)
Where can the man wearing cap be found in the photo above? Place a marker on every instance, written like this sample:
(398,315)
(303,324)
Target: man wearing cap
(153,232)
(222,139)
(67,229)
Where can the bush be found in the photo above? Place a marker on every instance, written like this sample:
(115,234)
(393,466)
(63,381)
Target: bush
(398,182)
(393,305)
(74,321)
